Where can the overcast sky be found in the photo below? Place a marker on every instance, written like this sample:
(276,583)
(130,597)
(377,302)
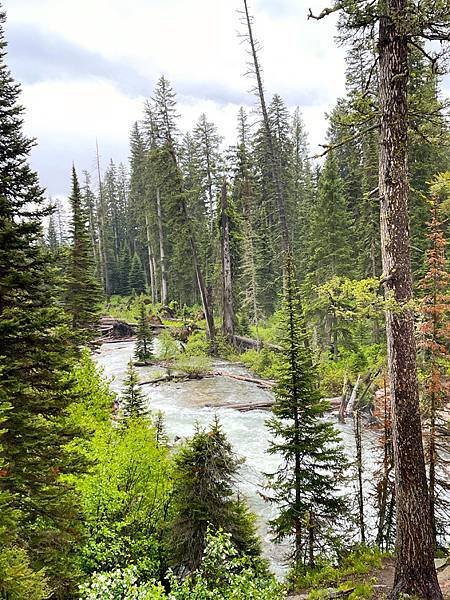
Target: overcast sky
(87,66)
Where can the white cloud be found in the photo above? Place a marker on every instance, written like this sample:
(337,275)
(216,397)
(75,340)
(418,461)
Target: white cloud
(195,44)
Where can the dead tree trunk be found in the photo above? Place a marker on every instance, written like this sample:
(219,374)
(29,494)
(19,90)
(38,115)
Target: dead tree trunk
(351,402)
(162,255)
(210,329)
(206,305)
(274,158)
(415,572)
(150,261)
(227,288)
(101,229)
(359,467)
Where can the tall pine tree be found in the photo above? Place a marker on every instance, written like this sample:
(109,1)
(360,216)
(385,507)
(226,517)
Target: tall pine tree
(35,357)
(304,488)
(83,291)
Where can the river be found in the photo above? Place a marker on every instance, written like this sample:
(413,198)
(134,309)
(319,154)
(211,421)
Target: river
(197,401)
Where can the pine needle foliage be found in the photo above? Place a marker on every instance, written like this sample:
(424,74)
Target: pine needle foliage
(133,399)
(144,341)
(83,290)
(36,355)
(313,461)
(205,495)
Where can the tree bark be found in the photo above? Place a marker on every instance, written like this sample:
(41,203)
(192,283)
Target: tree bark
(227,287)
(415,572)
(162,255)
(101,229)
(150,260)
(359,464)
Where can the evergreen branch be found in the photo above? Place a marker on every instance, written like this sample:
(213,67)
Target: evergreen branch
(357,136)
(433,60)
(325,12)
(369,78)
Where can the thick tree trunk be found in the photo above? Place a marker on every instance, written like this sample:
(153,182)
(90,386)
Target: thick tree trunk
(415,572)
(162,255)
(227,288)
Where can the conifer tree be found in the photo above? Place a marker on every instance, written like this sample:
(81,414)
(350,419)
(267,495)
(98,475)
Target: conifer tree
(52,236)
(330,244)
(313,460)
(402,26)
(144,337)
(124,270)
(89,205)
(332,226)
(136,279)
(36,355)
(83,295)
(133,400)
(159,424)
(204,495)
(207,142)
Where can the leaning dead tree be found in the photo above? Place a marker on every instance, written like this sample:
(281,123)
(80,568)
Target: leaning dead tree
(227,284)
(273,155)
(398,25)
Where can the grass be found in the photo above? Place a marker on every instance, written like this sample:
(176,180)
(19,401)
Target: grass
(349,573)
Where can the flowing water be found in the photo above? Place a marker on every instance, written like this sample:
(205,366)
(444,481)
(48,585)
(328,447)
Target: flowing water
(198,401)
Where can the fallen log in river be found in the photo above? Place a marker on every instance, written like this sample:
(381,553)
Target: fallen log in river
(266,384)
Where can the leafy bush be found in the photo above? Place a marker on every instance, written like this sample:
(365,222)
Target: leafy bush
(126,308)
(333,371)
(121,584)
(261,362)
(222,576)
(167,348)
(197,345)
(124,500)
(93,398)
(226,576)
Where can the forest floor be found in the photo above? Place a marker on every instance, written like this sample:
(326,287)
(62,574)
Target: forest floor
(384,578)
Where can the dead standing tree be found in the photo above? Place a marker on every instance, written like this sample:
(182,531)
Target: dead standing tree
(400,25)
(273,155)
(227,284)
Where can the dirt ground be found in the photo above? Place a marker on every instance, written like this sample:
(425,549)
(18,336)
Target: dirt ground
(385,580)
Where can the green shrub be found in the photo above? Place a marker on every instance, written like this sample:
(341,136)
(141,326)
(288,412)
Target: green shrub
(261,362)
(121,584)
(197,345)
(226,576)
(193,365)
(167,348)
(123,500)
(360,561)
